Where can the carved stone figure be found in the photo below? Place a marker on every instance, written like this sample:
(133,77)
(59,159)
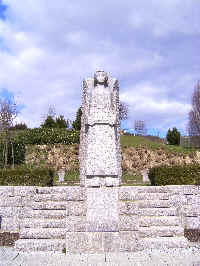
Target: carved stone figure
(100,154)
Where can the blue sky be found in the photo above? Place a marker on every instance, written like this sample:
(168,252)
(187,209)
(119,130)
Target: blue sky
(151,47)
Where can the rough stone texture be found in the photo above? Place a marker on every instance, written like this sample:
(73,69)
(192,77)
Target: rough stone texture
(128,223)
(128,241)
(159,221)
(76,224)
(76,208)
(43,223)
(157,231)
(128,208)
(29,245)
(99,151)
(46,233)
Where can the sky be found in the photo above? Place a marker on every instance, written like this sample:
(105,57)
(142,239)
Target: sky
(152,47)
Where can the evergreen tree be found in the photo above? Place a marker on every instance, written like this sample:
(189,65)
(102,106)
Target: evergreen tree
(61,122)
(49,122)
(173,136)
(77,122)
(20,126)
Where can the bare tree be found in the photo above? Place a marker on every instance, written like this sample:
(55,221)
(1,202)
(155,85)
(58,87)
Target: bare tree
(140,127)
(123,111)
(8,112)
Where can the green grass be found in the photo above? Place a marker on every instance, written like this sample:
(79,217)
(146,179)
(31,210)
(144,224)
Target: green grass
(139,141)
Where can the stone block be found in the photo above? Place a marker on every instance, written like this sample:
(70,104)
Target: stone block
(32,245)
(159,221)
(161,231)
(75,193)
(48,205)
(163,243)
(6,191)
(10,224)
(128,208)
(128,223)
(46,214)
(42,233)
(102,209)
(44,190)
(76,208)
(192,223)
(10,211)
(52,197)
(24,191)
(11,201)
(189,211)
(111,241)
(128,241)
(128,193)
(76,224)
(193,199)
(79,242)
(43,223)
(157,212)
(153,196)
(154,204)
(152,189)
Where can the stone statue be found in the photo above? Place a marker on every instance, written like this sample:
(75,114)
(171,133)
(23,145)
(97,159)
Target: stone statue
(100,154)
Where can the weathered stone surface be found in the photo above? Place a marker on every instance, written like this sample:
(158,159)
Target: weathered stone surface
(84,242)
(75,194)
(159,221)
(46,214)
(48,205)
(154,204)
(10,211)
(128,193)
(44,190)
(128,241)
(191,222)
(193,199)
(161,231)
(10,224)
(11,201)
(40,233)
(189,210)
(157,212)
(128,208)
(152,196)
(99,150)
(153,189)
(24,191)
(76,208)
(43,223)
(76,224)
(52,197)
(6,191)
(29,245)
(102,209)
(128,223)
(163,242)
(111,242)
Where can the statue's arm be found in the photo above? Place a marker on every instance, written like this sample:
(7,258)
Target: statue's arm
(86,101)
(115,103)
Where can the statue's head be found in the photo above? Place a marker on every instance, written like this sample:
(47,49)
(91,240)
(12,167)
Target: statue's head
(100,77)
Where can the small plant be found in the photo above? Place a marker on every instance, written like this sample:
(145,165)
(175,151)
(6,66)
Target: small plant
(64,250)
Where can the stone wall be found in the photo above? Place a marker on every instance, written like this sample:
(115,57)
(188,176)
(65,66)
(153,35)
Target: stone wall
(140,216)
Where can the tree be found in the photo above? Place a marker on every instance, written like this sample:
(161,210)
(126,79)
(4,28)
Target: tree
(49,122)
(77,122)
(61,122)
(173,136)
(123,111)
(140,127)
(194,114)
(8,112)
(20,126)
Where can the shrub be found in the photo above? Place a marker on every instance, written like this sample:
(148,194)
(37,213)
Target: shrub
(22,176)
(41,136)
(175,175)
(173,137)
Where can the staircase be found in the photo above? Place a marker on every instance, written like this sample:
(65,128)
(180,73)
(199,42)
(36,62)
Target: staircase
(43,229)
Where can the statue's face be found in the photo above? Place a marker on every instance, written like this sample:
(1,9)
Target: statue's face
(101,77)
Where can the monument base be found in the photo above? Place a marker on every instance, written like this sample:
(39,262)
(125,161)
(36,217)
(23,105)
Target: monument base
(99,181)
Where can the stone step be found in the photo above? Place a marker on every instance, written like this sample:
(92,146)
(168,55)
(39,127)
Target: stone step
(49,205)
(43,223)
(47,214)
(159,221)
(42,233)
(161,231)
(29,245)
(163,242)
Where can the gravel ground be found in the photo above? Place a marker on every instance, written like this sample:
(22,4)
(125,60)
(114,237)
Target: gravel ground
(179,256)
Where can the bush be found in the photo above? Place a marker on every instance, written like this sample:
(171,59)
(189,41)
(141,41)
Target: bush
(41,136)
(175,175)
(26,177)
(173,137)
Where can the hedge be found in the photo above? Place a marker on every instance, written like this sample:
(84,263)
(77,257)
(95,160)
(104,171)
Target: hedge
(26,177)
(175,175)
(41,136)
